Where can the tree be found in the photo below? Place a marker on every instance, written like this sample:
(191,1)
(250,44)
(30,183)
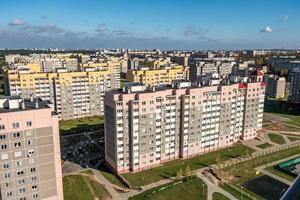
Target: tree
(179,174)
(284,72)
(188,171)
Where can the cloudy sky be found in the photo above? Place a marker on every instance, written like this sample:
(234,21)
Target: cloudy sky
(143,24)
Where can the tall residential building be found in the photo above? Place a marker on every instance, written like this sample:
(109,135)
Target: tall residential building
(74,94)
(275,86)
(294,95)
(146,127)
(51,64)
(30,163)
(201,67)
(162,76)
(180,60)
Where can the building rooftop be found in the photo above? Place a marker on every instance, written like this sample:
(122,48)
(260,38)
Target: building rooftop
(15,103)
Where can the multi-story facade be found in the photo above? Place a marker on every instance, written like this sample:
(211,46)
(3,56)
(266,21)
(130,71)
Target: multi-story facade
(146,127)
(74,94)
(294,96)
(51,64)
(30,163)
(201,67)
(275,86)
(162,76)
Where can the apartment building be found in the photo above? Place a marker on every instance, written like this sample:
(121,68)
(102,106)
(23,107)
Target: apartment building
(275,86)
(74,94)
(208,67)
(51,64)
(294,96)
(30,163)
(164,75)
(145,127)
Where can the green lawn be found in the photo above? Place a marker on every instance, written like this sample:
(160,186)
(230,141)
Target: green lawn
(264,146)
(170,169)
(281,174)
(83,188)
(192,189)
(245,171)
(234,192)
(110,176)
(80,125)
(219,196)
(294,120)
(292,139)
(276,138)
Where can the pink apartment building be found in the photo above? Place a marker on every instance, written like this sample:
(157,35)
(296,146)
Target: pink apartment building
(145,127)
(30,164)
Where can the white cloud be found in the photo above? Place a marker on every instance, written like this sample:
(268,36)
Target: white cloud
(283,18)
(16,22)
(267,29)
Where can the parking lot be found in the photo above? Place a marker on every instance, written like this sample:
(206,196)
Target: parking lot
(85,149)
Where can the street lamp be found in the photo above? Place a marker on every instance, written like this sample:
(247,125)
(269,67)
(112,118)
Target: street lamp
(203,190)
(242,193)
(282,192)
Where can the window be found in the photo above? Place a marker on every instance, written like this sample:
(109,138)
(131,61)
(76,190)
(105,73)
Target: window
(34,187)
(29,133)
(8,194)
(32,170)
(7,175)
(3,146)
(2,127)
(17,144)
(29,123)
(16,135)
(31,161)
(6,165)
(21,190)
(15,125)
(29,142)
(19,163)
(2,137)
(33,179)
(18,154)
(30,152)
(35,196)
(19,173)
(4,156)
(21,181)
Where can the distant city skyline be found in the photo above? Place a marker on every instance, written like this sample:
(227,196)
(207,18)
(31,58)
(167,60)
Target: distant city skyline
(176,24)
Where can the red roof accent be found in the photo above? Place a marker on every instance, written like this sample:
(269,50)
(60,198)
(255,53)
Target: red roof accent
(263,84)
(257,73)
(242,85)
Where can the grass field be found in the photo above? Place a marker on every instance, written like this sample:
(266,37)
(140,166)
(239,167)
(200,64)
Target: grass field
(83,188)
(245,171)
(234,192)
(110,176)
(276,138)
(219,196)
(264,146)
(292,139)
(192,189)
(294,119)
(280,174)
(170,169)
(80,125)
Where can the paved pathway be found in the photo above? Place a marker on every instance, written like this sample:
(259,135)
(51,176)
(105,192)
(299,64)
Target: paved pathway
(147,187)
(211,188)
(108,186)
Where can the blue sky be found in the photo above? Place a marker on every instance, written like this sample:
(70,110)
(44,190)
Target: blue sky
(143,24)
